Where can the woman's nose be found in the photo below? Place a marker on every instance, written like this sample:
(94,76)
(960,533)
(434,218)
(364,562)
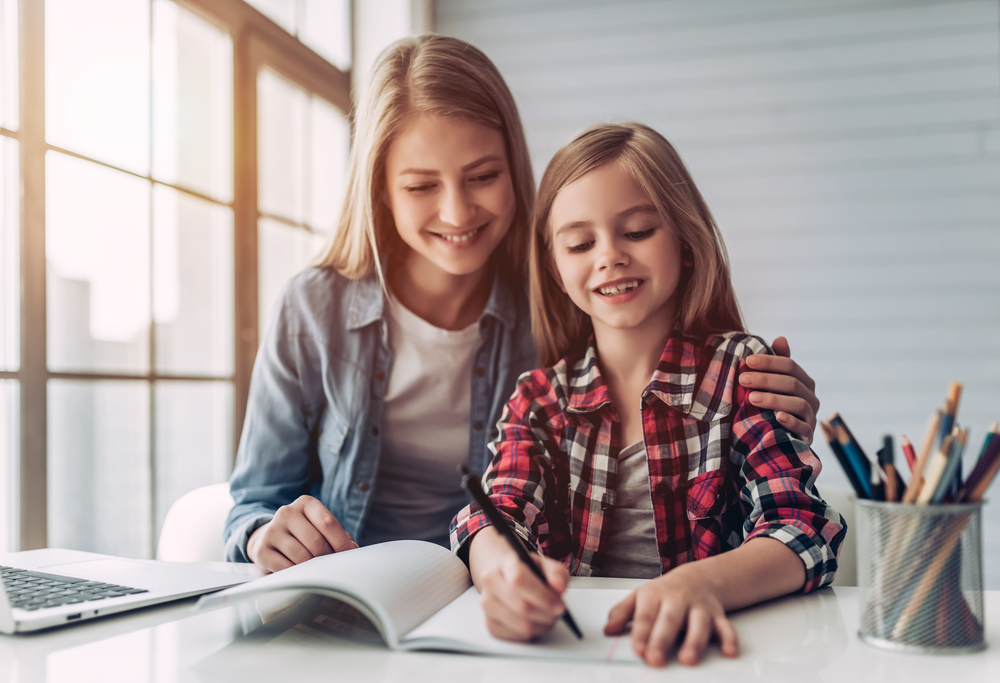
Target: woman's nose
(456,208)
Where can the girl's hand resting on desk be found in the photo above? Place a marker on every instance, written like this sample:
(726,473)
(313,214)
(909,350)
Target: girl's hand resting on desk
(299,532)
(663,608)
(517,604)
(784,387)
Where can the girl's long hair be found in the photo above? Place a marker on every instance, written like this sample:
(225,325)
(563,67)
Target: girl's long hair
(425,75)
(707,303)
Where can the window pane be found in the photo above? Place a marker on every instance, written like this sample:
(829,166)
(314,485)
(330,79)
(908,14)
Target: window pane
(325,26)
(282,147)
(97,79)
(282,251)
(281,12)
(10,256)
(97,250)
(194,422)
(98,467)
(192,102)
(8,64)
(10,441)
(192,284)
(330,144)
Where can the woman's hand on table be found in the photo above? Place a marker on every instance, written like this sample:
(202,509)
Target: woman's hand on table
(782,386)
(300,531)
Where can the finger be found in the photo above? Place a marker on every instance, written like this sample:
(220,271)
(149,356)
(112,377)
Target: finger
(270,560)
(800,429)
(729,641)
(556,573)
(524,585)
(289,546)
(780,366)
(513,617)
(780,346)
(666,628)
(794,414)
(620,615)
(308,535)
(328,526)
(699,631)
(646,609)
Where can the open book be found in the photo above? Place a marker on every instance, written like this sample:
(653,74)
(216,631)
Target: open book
(420,597)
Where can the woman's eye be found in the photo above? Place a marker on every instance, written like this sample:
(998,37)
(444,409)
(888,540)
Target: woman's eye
(637,235)
(580,248)
(486,177)
(417,189)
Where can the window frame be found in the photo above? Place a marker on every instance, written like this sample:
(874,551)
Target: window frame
(257,43)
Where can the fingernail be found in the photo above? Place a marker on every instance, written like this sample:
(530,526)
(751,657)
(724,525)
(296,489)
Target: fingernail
(782,417)
(752,361)
(756,396)
(746,380)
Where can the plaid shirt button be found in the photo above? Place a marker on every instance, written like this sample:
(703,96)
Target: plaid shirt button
(662,489)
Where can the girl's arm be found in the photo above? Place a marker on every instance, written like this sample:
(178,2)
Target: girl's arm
(696,597)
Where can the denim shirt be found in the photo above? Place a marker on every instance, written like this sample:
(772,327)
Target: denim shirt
(314,414)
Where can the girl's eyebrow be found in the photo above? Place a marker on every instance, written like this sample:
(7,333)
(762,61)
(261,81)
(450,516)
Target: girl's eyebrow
(467,167)
(627,213)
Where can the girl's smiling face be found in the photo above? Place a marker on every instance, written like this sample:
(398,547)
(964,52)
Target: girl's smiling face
(613,254)
(449,187)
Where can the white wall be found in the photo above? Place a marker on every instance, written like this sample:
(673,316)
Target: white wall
(850,150)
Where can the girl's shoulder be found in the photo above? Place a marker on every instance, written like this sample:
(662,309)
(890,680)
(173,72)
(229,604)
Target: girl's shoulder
(572,384)
(734,347)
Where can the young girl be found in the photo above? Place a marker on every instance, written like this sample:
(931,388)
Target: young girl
(389,363)
(638,450)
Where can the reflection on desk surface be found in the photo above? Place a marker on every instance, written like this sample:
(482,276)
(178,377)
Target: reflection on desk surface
(314,637)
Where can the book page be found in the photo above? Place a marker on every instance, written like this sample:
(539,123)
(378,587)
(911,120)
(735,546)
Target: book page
(461,627)
(398,585)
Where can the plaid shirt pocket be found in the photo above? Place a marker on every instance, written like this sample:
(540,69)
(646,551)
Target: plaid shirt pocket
(706,505)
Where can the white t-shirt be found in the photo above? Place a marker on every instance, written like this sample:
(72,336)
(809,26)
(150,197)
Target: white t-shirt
(425,430)
(632,550)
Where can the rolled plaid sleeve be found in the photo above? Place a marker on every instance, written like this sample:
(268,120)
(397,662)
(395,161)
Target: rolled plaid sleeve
(778,491)
(521,470)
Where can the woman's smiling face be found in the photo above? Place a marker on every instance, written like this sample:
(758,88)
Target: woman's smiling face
(449,187)
(613,254)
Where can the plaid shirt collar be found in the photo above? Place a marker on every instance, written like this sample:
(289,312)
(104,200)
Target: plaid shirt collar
(673,381)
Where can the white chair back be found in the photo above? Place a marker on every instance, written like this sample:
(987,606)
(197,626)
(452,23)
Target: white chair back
(192,529)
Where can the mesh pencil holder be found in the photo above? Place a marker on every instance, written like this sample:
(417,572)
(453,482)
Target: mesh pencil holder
(920,572)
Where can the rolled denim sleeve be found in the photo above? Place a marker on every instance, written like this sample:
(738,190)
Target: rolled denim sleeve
(273,460)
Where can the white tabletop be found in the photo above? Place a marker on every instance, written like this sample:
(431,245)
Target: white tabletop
(799,638)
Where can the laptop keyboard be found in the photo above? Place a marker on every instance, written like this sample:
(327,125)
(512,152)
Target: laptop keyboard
(31,590)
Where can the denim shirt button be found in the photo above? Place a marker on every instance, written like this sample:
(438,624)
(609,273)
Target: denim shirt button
(363,486)
(480,372)
(374,431)
(380,377)
(479,426)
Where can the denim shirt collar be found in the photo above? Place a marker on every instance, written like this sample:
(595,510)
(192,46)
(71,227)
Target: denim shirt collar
(367,304)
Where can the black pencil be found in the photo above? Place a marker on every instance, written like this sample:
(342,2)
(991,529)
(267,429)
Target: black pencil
(471,484)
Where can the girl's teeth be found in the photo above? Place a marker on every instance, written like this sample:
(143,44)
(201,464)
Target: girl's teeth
(625,287)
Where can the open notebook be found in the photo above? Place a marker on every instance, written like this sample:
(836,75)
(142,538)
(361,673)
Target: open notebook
(420,597)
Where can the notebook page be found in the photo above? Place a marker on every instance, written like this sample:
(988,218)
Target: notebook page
(461,626)
(401,583)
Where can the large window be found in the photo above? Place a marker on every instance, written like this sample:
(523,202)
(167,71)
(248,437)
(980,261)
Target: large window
(125,386)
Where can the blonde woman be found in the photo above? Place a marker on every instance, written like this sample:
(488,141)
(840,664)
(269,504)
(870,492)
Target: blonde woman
(388,363)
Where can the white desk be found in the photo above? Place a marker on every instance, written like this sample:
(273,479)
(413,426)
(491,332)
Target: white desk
(803,638)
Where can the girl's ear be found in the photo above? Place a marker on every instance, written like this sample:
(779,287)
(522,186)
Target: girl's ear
(550,264)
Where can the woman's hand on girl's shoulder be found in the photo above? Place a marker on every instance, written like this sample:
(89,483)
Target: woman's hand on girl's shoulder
(300,531)
(782,386)
(662,609)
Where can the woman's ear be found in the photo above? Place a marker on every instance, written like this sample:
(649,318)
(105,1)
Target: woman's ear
(687,258)
(551,266)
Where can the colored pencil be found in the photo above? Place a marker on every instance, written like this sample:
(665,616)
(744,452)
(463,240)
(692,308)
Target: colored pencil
(934,471)
(838,451)
(908,452)
(991,441)
(917,480)
(959,438)
(856,456)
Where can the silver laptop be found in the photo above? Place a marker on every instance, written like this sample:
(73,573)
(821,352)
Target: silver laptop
(51,587)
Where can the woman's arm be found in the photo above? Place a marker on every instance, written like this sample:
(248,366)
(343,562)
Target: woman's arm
(782,386)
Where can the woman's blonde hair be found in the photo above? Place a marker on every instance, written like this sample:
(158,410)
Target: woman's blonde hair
(425,75)
(707,302)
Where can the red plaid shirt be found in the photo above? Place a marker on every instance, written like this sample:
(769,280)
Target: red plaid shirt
(721,470)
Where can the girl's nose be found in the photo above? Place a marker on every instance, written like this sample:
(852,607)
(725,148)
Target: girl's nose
(611,255)
(456,209)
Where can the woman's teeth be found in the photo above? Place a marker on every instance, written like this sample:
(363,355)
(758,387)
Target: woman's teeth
(618,289)
(463,237)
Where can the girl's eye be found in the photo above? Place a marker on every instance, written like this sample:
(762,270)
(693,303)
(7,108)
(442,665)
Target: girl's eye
(486,177)
(580,248)
(637,235)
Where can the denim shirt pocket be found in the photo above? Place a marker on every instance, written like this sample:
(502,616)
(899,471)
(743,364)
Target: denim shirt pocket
(333,433)
(706,503)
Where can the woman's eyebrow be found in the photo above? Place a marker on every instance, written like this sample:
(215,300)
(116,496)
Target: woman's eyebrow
(467,167)
(642,208)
